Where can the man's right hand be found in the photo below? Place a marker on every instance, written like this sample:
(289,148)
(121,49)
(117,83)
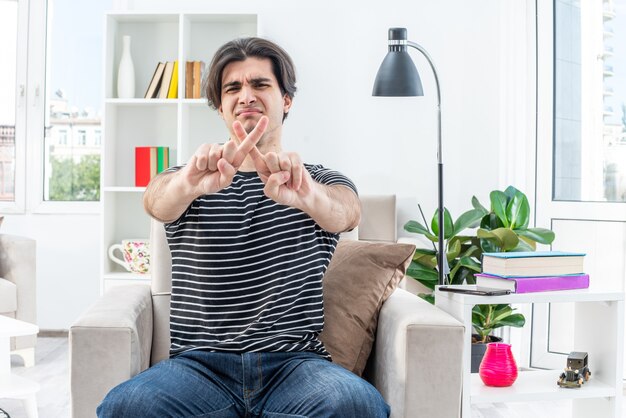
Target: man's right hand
(213,166)
(208,171)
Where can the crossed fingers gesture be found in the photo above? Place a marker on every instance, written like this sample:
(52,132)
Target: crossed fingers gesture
(213,166)
(286,179)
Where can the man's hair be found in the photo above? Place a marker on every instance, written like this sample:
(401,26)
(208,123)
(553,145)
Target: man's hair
(242,48)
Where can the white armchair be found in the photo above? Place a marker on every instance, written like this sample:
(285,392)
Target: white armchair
(18,290)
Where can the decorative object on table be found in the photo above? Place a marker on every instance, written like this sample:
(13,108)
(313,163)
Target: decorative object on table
(150,161)
(126,72)
(486,318)
(498,367)
(577,371)
(398,77)
(534,284)
(532,263)
(135,253)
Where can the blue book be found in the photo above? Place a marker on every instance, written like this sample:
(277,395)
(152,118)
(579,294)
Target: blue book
(533,264)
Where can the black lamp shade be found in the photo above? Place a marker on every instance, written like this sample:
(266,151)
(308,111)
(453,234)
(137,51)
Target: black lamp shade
(397,75)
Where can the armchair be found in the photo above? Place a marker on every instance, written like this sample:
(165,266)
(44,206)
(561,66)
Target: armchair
(416,363)
(18,291)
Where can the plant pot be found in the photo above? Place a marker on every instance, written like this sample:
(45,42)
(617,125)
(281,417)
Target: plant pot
(478,350)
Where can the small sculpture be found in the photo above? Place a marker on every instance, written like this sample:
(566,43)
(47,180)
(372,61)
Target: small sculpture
(576,373)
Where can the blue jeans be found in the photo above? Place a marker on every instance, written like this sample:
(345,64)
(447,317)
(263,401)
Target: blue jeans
(226,385)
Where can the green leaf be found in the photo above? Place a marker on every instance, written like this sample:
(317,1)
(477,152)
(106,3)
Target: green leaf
(428,297)
(428,261)
(514,320)
(498,206)
(448,226)
(424,251)
(470,263)
(469,219)
(476,205)
(490,222)
(540,235)
(454,249)
(518,211)
(510,192)
(507,237)
(525,244)
(427,277)
(416,228)
(472,251)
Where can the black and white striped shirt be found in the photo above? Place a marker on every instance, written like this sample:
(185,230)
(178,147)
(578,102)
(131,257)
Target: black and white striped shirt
(247,271)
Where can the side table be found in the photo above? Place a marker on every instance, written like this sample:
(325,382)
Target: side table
(599,330)
(12,386)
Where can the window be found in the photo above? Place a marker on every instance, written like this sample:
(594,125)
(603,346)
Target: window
(590,100)
(73,100)
(8,84)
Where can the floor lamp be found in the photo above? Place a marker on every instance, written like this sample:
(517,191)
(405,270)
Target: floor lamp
(398,77)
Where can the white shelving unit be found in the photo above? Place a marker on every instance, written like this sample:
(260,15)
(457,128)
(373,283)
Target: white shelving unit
(599,322)
(180,124)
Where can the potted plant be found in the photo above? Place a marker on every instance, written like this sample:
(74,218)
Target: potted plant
(502,228)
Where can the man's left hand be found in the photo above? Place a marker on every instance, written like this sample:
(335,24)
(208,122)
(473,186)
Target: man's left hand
(286,179)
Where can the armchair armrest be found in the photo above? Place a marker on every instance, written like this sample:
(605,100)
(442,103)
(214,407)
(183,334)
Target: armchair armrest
(109,343)
(417,363)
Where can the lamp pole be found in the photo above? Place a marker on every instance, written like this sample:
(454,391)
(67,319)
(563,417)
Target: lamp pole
(442,261)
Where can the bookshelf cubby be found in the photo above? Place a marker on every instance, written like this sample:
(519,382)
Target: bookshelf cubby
(181,124)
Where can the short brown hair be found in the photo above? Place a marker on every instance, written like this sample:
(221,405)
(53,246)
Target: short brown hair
(242,48)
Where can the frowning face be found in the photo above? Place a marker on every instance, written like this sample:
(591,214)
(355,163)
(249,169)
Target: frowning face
(249,91)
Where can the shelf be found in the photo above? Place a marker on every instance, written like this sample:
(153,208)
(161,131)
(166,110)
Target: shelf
(537,385)
(141,102)
(580,295)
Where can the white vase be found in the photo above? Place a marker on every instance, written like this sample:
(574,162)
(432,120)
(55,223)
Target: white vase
(126,73)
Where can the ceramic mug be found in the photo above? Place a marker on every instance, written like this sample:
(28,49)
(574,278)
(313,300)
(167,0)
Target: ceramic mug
(135,253)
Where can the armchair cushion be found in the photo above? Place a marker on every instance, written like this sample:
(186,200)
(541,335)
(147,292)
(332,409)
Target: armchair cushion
(360,277)
(8,296)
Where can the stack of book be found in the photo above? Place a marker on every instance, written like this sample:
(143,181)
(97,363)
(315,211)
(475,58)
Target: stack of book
(164,82)
(150,161)
(541,271)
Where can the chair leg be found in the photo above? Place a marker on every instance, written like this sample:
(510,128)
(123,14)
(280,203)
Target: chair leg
(27,355)
(30,405)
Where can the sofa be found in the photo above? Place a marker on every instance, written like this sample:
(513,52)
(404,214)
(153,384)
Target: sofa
(416,360)
(18,297)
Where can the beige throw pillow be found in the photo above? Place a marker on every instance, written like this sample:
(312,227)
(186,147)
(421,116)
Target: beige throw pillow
(360,277)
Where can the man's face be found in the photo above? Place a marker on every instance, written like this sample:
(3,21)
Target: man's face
(249,91)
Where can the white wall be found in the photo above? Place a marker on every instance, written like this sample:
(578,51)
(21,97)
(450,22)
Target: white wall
(386,145)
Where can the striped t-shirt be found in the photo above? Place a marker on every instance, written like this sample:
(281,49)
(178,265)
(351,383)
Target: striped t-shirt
(247,271)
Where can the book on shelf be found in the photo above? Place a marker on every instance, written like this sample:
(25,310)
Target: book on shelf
(155,82)
(198,69)
(531,284)
(173,90)
(167,78)
(533,263)
(189,79)
(149,161)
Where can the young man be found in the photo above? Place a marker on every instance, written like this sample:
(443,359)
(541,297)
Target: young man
(251,230)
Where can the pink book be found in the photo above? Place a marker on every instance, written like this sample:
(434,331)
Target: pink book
(534,284)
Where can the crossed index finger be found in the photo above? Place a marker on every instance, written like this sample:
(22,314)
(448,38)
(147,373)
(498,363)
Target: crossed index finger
(248,141)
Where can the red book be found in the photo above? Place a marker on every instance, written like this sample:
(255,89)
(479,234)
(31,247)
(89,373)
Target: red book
(145,165)
(535,283)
